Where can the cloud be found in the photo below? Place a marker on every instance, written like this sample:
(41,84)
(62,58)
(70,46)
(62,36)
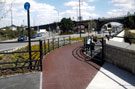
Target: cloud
(85,0)
(84,5)
(124,6)
(129,4)
(86,10)
(41,13)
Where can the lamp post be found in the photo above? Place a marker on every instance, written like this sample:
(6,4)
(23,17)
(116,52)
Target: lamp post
(57,26)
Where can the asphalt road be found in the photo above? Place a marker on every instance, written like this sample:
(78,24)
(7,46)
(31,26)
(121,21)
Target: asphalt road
(11,46)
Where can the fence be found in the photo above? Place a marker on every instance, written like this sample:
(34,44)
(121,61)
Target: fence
(96,50)
(19,58)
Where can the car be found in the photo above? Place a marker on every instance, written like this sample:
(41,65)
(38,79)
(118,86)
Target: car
(32,36)
(39,35)
(22,38)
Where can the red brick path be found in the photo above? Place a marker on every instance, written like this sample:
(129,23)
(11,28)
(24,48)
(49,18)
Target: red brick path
(66,68)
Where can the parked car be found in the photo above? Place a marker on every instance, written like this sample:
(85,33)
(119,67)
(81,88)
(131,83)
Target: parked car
(39,35)
(32,36)
(22,38)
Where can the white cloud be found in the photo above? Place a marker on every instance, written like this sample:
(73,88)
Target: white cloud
(128,4)
(85,0)
(41,13)
(86,10)
(124,6)
(84,5)
(117,12)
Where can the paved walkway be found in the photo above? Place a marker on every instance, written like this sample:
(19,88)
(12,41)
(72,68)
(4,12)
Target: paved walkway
(112,77)
(66,68)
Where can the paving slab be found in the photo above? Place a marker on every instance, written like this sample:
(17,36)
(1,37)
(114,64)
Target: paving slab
(21,81)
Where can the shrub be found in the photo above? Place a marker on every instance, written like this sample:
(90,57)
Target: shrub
(129,34)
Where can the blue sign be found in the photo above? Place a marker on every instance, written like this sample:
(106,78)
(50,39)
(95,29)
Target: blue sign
(27,6)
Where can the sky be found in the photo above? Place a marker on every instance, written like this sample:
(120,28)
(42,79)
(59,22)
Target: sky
(49,11)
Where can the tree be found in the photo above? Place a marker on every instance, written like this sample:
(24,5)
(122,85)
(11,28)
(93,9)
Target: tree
(109,25)
(130,21)
(66,25)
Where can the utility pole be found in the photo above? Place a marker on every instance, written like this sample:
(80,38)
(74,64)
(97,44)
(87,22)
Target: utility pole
(80,16)
(11,16)
(134,5)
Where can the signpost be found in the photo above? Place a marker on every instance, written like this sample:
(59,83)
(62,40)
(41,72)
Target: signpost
(27,7)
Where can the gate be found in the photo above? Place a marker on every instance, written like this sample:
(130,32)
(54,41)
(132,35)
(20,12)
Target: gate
(95,49)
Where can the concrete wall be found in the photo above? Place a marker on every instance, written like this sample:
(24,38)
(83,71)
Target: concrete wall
(121,57)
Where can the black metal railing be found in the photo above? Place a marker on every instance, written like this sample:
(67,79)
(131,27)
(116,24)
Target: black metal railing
(19,58)
(16,61)
(95,50)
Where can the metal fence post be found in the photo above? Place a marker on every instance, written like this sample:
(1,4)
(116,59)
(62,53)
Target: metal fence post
(48,46)
(58,43)
(84,42)
(64,40)
(45,47)
(41,53)
(69,39)
(53,43)
(103,49)
(87,48)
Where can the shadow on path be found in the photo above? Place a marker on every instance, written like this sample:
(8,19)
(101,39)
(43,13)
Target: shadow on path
(79,55)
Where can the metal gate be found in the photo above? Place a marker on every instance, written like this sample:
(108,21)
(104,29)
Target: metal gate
(95,49)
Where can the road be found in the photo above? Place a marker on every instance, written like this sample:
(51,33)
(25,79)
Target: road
(11,46)
(14,46)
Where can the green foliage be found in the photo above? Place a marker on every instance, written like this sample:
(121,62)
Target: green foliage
(130,21)
(66,33)
(77,39)
(109,25)
(8,34)
(32,32)
(130,35)
(66,25)
(11,34)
